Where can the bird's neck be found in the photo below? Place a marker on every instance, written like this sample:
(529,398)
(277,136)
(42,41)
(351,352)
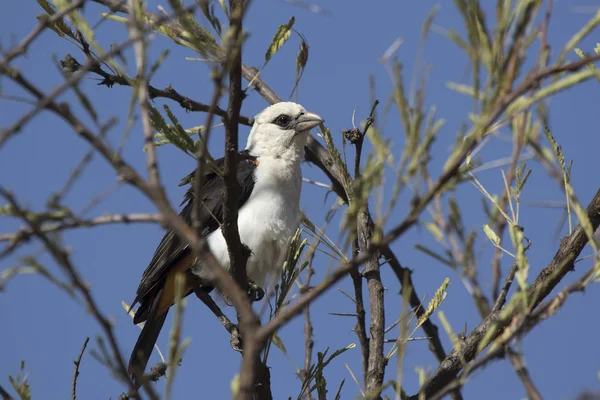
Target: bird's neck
(288,154)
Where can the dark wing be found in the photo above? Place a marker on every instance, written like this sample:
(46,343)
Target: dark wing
(172,249)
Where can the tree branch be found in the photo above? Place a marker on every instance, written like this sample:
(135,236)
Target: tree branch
(173,221)
(238,253)
(136,28)
(45,22)
(169,92)
(377,361)
(26,233)
(5,395)
(76,371)
(570,248)
(374,370)
(518,363)
(62,258)
(43,102)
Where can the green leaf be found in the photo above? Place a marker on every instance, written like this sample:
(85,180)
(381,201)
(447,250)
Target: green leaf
(522,180)
(279,343)
(208,9)
(435,231)
(20,384)
(315,372)
(520,257)
(555,148)
(579,36)
(320,380)
(422,375)
(301,60)
(81,24)
(489,232)
(181,133)
(163,55)
(174,134)
(437,300)
(234,385)
(301,57)
(464,89)
(60,26)
(281,36)
(448,328)
(436,256)
(562,84)
(224,7)
(337,159)
(381,145)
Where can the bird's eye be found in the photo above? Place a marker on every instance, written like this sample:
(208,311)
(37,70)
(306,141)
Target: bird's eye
(282,120)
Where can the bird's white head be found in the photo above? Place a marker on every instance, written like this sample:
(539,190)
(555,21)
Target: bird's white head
(281,130)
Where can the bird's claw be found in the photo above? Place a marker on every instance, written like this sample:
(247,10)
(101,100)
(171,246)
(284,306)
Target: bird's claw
(255,292)
(236,339)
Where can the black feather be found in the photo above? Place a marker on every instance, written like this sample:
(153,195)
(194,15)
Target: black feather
(145,344)
(172,249)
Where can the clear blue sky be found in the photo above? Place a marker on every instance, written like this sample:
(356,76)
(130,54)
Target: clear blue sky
(44,327)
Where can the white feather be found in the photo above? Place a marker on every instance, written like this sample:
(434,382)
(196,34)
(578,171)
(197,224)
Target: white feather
(270,216)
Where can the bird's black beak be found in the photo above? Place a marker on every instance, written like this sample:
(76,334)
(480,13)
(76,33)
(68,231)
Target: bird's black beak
(307,121)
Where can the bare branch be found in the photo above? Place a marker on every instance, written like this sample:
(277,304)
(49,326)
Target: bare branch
(518,363)
(156,372)
(377,361)
(238,254)
(318,155)
(169,92)
(505,288)
(45,22)
(570,248)
(25,234)
(62,258)
(76,371)
(44,102)
(5,395)
(136,28)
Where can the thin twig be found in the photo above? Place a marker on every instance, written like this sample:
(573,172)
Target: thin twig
(505,288)
(45,22)
(135,28)
(518,363)
(156,372)
(169,92)
(570,248)
(44,102)
(373,362)
(62,258)
(26,233)
(76,371)
(5,395)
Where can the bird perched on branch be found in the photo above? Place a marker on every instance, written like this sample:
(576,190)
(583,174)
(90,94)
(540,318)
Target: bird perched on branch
(270,180)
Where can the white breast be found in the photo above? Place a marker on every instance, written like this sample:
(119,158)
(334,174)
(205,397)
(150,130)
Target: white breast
(267,220)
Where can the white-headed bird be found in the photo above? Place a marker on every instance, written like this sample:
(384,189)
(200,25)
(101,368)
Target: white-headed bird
(270,179)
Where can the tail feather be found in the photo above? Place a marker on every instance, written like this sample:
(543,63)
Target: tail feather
(145,344)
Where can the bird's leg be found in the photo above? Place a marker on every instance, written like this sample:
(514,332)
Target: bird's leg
(236,337)
(201,292)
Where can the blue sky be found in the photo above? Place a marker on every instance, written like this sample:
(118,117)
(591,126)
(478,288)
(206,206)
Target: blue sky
(46,328)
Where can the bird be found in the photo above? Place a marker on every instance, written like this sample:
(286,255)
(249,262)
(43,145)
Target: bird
(270,179)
